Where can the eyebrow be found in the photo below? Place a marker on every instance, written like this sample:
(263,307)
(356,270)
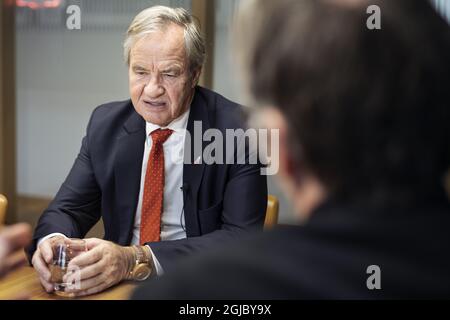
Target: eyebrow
(172,69)
(138,67)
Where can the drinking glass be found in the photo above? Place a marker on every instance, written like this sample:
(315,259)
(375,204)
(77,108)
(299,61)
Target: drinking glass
(64,250)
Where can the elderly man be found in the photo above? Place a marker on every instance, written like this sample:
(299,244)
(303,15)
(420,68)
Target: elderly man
(129,171)
(364,147)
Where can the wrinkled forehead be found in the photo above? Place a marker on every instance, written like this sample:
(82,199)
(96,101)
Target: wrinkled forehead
(166,44)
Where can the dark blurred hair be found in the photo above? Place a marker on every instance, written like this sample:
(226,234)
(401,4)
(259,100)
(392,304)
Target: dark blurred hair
(367,110)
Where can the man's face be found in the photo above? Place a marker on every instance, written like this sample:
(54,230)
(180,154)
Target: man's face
(161,86)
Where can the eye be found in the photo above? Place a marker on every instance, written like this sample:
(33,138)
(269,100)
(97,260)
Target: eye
(169,74)
(140,72)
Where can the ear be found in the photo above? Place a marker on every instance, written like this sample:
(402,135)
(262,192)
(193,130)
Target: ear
(195,77)
(288,170)
(300,186)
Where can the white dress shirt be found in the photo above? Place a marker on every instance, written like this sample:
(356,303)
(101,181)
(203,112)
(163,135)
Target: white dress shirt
(172,218)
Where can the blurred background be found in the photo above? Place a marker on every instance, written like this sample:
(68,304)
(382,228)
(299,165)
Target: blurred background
(52,78)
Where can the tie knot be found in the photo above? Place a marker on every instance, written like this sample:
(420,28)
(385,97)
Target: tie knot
(160,136)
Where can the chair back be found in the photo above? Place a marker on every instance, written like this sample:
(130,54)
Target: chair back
(3,206)
(272,212)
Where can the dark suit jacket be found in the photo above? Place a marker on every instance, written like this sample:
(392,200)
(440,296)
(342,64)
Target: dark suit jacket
(220,201)
(326,259)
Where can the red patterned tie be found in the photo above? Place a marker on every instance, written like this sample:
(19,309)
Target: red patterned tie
(152,202)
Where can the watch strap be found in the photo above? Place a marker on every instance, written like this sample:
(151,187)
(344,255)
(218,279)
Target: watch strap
(142,255)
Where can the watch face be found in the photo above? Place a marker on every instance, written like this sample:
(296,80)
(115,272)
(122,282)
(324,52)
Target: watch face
(141,272)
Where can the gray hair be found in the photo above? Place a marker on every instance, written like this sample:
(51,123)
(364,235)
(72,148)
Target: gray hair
(156,19)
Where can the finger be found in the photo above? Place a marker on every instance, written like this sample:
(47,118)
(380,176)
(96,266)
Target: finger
(16,236)
(40,266)
(84,273)
(93,290)
(48,287)
(46,250)
(16,260)
(86,258)
(91,243)
(84,285)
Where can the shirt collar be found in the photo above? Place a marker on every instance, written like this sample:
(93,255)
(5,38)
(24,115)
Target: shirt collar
(179,125)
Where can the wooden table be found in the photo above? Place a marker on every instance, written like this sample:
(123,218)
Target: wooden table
(24,284)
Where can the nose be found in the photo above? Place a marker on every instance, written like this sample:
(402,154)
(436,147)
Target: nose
(154,89)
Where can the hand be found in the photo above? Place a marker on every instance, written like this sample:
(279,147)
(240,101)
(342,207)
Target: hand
(104,265)
(12,241)
(42,258)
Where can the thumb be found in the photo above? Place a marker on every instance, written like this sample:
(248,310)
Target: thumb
(46,251)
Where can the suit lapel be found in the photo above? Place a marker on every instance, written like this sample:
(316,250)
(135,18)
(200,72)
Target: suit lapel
(193,170)
(128,167)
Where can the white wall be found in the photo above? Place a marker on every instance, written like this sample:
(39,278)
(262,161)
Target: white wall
(61,78)
(225,79)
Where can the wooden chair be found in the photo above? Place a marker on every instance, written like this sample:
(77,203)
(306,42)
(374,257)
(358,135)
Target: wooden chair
(272,212)
(3,205)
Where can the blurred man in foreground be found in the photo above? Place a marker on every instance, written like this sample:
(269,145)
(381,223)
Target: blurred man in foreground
(364,148)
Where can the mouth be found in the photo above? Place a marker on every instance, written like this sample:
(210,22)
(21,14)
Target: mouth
(155,104)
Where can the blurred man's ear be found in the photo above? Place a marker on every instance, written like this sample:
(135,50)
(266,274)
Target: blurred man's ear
(300,186)
(287,169)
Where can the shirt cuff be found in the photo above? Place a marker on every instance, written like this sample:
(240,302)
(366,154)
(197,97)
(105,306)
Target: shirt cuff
(159,269)
(51,235)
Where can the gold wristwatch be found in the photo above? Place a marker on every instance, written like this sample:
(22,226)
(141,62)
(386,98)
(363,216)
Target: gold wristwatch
(143,267)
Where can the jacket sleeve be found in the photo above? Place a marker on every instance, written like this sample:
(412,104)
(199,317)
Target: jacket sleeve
(76,207)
